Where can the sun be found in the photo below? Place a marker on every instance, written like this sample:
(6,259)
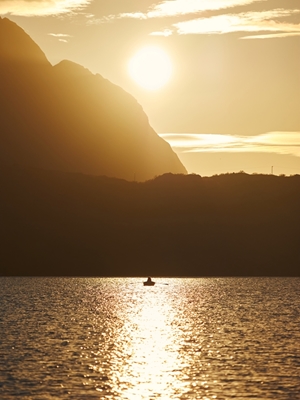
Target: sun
(150,67)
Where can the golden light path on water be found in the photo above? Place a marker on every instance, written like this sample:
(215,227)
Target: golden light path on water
(156,348)
(154,354)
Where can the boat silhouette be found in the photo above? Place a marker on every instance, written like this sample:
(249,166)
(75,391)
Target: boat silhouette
(149,282)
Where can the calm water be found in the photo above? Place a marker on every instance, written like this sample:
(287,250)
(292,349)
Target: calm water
(90,338)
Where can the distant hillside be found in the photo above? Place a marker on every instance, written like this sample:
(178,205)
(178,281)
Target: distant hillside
(65,118)
(55,223)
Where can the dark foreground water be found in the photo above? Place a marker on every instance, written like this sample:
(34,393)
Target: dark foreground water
(90,338)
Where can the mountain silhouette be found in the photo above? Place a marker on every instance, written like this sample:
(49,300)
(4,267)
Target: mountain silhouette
(65,118)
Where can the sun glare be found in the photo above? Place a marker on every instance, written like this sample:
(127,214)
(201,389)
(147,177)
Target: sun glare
(150,67)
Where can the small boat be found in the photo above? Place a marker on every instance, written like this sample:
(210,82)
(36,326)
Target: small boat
(149,282)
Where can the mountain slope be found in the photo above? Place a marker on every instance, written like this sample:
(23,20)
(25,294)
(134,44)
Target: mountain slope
(66,118)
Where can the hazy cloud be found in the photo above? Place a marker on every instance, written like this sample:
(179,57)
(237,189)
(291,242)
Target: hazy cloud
(41,7)
(242,22)
(271,142)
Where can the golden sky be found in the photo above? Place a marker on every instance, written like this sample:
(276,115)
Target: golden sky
(232,101)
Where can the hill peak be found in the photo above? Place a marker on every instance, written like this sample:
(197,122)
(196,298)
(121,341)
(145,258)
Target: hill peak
(17,46)
(71,67)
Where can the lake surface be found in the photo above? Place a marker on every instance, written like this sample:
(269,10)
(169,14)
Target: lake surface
(113,338)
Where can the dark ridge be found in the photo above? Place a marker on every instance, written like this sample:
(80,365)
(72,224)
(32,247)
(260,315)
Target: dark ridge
(56,223)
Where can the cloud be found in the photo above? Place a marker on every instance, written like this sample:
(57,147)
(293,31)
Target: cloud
(62,37)
(59,35)
(272,35)
(196,22)
(173,8)
(165,32)
(242,22)
(41,7)
(271,142)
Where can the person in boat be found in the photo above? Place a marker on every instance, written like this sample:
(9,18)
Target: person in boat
(149,280)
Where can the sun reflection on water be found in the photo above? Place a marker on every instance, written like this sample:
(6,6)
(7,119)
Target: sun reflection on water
(152,365)
(157,344)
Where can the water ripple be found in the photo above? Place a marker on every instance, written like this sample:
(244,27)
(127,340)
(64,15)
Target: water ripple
(91,338)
